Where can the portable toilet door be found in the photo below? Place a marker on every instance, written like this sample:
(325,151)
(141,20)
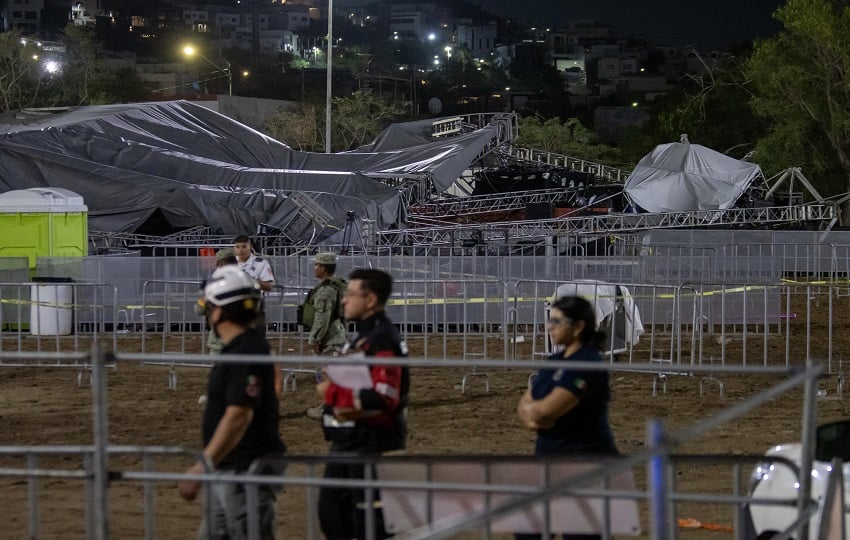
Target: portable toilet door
(43,222)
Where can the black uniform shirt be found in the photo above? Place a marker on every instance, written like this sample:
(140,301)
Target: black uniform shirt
(250,385)
(585,427)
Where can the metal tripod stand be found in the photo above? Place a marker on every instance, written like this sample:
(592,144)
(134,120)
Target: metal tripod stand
(350,233)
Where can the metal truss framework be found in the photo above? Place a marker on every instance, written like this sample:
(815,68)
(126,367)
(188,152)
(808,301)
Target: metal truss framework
(483,204)
(603,172)
(417,186)
(476,205)
(506,232)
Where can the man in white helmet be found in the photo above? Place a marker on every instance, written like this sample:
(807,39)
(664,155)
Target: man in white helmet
(240,422)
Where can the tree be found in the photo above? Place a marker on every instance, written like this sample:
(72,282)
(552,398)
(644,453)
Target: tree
(800,79)
(21,80)
(82,66)
(570,138)
(82,78)
(296,127)
(712,106)
(356,120)
(359,118)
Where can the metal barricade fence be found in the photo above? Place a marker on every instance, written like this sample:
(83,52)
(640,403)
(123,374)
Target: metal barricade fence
(57,316)
(697,324)
(102,476)
(772,322)
(169,306)
(465,315)
(643,322)
(717,320)
(57,463)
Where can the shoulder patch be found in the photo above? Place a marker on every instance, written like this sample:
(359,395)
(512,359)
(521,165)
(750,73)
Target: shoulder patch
(252,386)
(258,259)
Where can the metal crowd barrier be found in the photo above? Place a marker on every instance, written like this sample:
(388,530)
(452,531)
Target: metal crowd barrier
(749,324)
(416,488)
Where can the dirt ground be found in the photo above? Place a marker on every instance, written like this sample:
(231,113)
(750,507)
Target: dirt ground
(47,407)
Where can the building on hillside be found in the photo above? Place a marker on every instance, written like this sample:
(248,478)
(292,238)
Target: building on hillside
(478,39)
(295,18)
(24,15)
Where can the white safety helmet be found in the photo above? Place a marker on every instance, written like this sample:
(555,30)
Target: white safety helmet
(229,285)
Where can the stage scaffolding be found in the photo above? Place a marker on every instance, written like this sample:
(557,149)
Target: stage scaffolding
(819,215)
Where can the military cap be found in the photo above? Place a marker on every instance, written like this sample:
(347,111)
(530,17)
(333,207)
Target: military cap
(326,258)
(223,254)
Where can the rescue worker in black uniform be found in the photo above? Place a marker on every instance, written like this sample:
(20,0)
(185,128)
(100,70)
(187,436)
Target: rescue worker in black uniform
(240,422)
(367,421)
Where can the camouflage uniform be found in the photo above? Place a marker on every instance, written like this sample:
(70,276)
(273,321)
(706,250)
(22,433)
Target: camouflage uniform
(327,330)
(214,343)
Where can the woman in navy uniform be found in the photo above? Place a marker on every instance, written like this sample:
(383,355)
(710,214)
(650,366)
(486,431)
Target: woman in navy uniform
(569,408)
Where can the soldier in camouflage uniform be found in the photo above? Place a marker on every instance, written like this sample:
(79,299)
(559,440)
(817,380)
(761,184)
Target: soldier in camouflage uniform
(223,257)
(327,332)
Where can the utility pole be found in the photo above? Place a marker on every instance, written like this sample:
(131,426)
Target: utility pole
(229,78)
(330,62)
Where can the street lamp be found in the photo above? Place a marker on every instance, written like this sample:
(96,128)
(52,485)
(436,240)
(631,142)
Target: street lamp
(190,51)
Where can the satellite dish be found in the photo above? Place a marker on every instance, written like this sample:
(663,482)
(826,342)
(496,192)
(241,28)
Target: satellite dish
(435,105)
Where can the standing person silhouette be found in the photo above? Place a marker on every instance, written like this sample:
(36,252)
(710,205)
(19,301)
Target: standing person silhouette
(370,420)
(569,408)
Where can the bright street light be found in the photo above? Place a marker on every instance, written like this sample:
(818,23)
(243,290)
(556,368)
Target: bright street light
(189,51)
(51,66)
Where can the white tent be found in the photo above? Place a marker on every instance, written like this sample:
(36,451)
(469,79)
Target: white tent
(681,177)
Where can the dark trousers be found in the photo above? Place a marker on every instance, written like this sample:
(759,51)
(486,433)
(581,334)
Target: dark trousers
(342,514)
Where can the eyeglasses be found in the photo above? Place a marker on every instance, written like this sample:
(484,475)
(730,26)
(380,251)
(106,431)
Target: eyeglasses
(354,293)
(558,321)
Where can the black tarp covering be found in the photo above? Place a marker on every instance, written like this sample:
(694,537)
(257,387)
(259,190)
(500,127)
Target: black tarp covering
(201,168)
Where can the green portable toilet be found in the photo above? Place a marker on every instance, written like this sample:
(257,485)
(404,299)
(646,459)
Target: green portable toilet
(43,222)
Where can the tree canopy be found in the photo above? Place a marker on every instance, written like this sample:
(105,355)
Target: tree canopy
(81,75)
(355,120)
(801,89)
(569,138)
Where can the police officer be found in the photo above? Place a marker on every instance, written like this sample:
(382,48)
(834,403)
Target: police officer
(367,421)
(240,422)
(256,267)
(259,269)
(327,332)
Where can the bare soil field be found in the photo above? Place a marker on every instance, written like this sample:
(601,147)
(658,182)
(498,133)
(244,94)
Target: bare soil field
(45,406)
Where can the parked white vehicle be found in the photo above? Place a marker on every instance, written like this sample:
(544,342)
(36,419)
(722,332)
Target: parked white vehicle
(777,480)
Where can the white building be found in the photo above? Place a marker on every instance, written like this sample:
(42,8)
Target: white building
(197,19)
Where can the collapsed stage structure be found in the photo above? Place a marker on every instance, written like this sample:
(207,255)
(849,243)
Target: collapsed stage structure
(451,181)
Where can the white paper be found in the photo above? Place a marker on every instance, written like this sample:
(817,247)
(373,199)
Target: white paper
(351,376)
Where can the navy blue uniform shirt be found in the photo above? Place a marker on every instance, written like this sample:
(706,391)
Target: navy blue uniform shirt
(583,429)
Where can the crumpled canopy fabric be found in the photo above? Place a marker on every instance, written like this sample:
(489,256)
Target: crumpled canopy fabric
(199,167)
(681,177)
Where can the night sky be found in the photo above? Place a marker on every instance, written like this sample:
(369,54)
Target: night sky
(706,23)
